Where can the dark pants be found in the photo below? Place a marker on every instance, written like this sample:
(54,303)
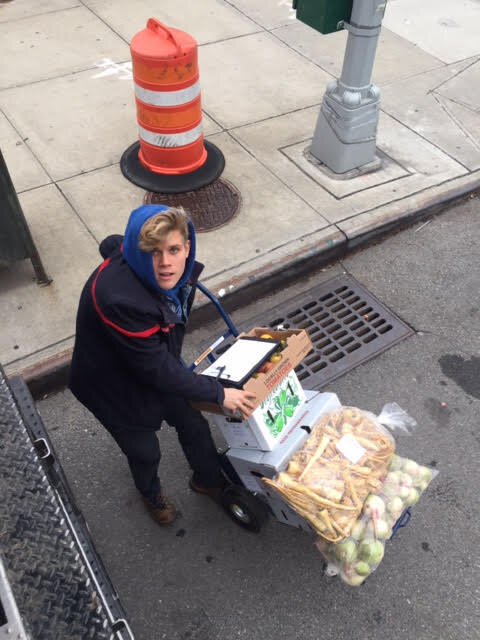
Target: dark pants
(143,452)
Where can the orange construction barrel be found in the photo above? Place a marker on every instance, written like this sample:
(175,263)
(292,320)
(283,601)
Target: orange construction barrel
(171,155)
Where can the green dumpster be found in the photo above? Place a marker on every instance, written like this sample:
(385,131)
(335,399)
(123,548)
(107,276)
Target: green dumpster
(16,242)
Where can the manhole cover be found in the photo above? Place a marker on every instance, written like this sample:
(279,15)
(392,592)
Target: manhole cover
(209,207)
(346,324)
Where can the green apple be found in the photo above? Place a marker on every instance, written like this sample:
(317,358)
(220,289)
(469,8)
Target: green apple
(346,551)
(425,474)
(389,490)
(395,463)
(358,530)
(410,467)
(403,492)
(381,529)
(406,480)
(353,579)
(395,506)
(412,497)
(423,478)
(371,551)
(391,482)
(362,568)
(393,477)
(373,504)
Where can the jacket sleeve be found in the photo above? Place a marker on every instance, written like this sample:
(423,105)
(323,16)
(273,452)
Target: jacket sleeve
(149,360)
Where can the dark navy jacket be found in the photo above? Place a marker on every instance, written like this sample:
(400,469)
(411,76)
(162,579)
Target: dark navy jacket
(125,360)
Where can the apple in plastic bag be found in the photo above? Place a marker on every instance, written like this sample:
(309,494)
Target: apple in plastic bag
(395,463)
(358,530)
(422,478)
(392,483)
(362,568)
(371,551)
(403,492)
(412,497)
(379,529)
(395,506)
(346,551)
(373,505)
(352,578)
(405,480)
(411,467)
(405,485)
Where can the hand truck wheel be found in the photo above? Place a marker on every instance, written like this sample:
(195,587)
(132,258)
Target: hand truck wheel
(244,508)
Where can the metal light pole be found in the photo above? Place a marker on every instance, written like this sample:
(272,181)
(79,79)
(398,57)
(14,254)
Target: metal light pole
(345,133)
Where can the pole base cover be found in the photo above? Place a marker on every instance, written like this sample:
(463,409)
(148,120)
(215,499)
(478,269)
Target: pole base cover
(135,172)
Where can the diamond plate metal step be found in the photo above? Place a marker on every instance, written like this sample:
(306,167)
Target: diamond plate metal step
(54,584)
(346,324)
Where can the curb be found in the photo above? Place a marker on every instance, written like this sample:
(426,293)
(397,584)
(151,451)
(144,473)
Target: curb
(51,375)
(47,376)
(273,278)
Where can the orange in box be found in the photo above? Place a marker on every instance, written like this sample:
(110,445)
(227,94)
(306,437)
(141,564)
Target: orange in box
(298,346)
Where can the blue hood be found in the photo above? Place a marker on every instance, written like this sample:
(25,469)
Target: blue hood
(141,261)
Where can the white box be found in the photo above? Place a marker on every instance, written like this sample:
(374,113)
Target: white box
(269,422)
(252,465)
(284,513)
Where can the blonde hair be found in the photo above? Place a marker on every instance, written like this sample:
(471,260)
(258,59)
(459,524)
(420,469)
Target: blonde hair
(156,228)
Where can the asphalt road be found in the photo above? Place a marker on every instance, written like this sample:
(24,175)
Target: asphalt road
(206,578)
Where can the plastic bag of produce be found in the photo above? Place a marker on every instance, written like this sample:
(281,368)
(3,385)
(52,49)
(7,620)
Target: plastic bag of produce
(357,556)
(345,457)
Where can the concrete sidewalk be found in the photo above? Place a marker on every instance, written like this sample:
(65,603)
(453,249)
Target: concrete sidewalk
(67,114)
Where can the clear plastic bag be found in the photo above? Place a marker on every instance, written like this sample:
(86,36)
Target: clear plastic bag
(345,458)
(357,556)
(394,418)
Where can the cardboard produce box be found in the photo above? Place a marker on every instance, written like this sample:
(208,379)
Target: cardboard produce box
(270,420)
(298,345)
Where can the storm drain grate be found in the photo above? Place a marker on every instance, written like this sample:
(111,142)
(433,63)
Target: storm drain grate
(346,324)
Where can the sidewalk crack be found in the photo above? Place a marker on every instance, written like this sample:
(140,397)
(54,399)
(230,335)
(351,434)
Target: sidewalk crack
(465,105)
(424,137)
(441,101)
(455,75)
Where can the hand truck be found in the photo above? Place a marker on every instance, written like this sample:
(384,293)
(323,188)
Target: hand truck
(248,509)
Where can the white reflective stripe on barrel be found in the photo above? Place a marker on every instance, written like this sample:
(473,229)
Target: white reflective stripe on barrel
(168,98)
(171,139)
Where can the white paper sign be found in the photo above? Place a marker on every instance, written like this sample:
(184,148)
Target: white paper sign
(351,448)
(239,359)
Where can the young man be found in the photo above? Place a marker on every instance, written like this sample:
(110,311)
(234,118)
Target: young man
(125,365)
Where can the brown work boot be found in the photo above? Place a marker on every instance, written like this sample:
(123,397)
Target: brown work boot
(212,492)
(161,510)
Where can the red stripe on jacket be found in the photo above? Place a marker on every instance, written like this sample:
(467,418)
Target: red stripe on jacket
(131,334)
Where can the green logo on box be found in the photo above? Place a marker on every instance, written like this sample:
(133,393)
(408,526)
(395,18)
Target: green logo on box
(280,406)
